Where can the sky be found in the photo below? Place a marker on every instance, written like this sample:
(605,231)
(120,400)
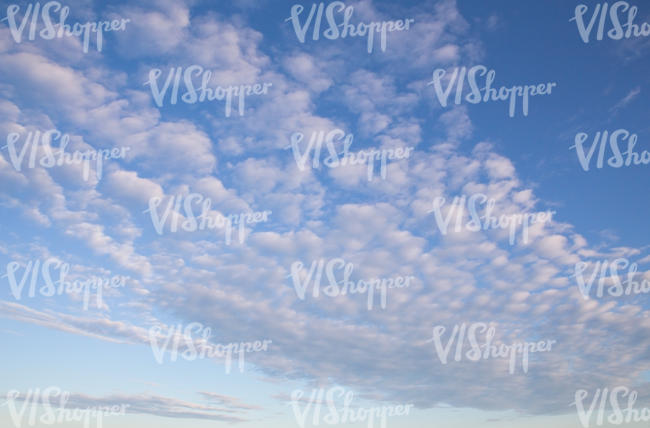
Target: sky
(189,286)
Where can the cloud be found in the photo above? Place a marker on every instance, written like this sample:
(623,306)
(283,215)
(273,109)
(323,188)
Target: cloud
(305,69)
(625,100)
(150,404)
(383,228)
(233,402)
(128,186)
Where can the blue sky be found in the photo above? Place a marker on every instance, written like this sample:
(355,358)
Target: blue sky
(243,291)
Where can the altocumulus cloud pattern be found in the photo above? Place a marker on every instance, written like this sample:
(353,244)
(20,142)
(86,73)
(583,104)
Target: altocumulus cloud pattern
(282,214)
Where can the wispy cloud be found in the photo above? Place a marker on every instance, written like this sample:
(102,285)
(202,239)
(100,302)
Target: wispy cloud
(626,100)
